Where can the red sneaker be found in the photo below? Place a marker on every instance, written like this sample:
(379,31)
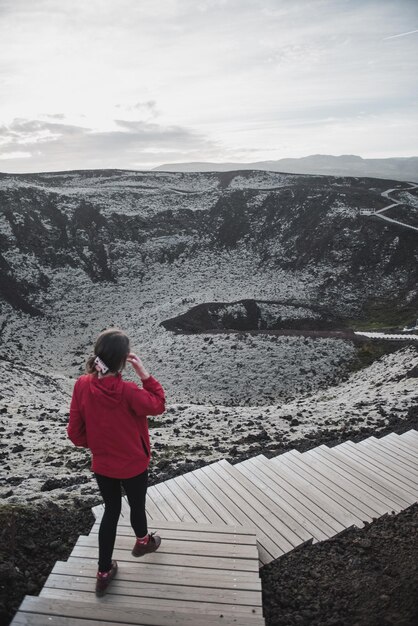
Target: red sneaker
(103,579)
(152,545)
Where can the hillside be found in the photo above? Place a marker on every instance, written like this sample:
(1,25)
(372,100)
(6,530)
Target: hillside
(402,168)
(110,226)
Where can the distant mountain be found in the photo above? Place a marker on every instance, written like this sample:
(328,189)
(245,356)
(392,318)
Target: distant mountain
(402,168)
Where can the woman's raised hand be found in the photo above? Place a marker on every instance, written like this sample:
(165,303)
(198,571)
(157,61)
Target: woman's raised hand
(138,365)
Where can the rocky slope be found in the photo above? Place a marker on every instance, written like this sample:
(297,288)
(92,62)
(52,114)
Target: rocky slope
(108,226)
(39,462)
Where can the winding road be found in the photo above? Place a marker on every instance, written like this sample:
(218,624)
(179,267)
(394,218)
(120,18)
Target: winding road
(379,212)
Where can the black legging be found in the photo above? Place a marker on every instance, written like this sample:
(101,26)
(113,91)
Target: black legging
(110,489)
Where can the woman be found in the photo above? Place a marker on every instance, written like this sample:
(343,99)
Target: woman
(108,415)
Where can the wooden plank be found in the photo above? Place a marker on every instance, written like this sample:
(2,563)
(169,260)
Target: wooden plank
(379,503)
(114,601)
(408,447)
(271,544)
(285,522)
(175,504)
(190,535)
(395,443)
(396,454)
(253,509)
(128,614)
(150,573)
(98,511)
(274,492)
(287,488)
(140,569)
(406,468)
(151,510)
(158,591)
(183,496)
(411,435)
(216,504)
(219,499)
(197,499)
(303,491)
(39,619)
(377,464)
(370,477)
(337,516)
(234,528)
(163,558)
(160,502)
(362,498)
(340,492)
(176,546)
(336,503)
(42,619)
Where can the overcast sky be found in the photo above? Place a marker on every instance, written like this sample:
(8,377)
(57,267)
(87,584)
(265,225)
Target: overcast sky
(137,83)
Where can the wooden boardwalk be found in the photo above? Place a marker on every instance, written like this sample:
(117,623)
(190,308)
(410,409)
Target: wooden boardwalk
(220,523)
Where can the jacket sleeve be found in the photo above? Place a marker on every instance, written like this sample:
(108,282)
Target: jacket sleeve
(147,401)
(76,429)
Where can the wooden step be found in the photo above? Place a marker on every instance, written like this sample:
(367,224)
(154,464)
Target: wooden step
(270,543)
(122,600)
(395,454)
(339,502)
(154,590)
(409,453)
(283,455)
(362,499)
(386,491)
(338,516)
(301,490)
(379,463)
(290,526)
(164,558)
(200,485)
(207,569)
(379,503)
(166,509)
(179,546)
(154,573)
(410,435)
(225,537)
(273,489)
(407,444)
(193,503)
(40,611)
(141,569)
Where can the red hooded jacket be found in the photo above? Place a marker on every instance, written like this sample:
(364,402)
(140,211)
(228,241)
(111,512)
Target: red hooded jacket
(109,416)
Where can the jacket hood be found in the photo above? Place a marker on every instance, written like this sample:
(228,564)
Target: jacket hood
(108,389)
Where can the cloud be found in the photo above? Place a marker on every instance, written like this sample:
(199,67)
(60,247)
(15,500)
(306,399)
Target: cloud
(57,146)
(210,72)
(145,109)
(410,32)
(15,155)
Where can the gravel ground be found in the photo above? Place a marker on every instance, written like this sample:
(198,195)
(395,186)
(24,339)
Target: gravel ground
(366,577)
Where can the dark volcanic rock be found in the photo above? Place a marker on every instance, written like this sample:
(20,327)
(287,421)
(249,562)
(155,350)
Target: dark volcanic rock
(366,577)
(249,314)
(65,481)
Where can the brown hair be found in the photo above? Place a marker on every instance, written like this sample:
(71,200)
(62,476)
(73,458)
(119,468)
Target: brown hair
(112,346)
